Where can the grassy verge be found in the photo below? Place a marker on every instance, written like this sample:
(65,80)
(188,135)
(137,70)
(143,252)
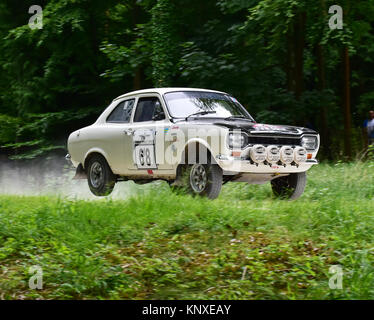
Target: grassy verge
(158,245)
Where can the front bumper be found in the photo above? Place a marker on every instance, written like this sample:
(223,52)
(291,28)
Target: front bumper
(232,164)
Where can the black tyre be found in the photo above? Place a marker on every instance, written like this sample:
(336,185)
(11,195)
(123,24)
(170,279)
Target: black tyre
(201,179)
(101,179)
(290,187)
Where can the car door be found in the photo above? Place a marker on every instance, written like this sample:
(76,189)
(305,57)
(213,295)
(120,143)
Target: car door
(148,125)
(117,143)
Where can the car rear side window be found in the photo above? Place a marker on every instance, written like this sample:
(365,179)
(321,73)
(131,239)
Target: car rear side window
(122,113)
(149,109)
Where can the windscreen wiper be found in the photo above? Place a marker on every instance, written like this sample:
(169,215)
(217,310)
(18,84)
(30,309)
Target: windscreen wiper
(200,113)
(239,117)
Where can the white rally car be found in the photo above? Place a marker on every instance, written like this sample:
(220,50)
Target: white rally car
(195,139)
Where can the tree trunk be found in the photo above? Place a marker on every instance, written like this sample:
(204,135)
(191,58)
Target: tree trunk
(295,55)
(321,71)
(289,62)
(321,74)
(299,33)
(137,82)
(347,105)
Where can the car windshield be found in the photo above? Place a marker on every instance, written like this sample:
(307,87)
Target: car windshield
(185,104)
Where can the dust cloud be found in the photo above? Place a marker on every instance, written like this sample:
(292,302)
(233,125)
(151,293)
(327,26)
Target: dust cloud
(53,176)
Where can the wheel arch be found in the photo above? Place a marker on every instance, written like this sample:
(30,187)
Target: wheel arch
(91,153)
(191,151)
(213,187)
(192,148)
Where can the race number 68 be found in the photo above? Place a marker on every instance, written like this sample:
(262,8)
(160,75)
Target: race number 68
(145,157)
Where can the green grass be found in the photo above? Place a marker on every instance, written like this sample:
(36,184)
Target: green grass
(159,245)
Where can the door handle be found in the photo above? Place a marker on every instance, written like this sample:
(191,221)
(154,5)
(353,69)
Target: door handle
(129,131)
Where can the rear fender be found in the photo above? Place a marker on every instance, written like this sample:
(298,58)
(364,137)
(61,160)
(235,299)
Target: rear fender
(92,151)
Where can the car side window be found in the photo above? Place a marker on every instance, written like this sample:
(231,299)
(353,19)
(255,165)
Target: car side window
(149,109)
(122,113)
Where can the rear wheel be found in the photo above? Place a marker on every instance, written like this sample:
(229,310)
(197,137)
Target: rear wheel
(101,179)
(290,187)
(201,179)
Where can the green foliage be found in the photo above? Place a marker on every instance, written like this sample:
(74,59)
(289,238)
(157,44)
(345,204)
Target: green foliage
(158,245)
(31,136)
(278,57)
(128,51)
(164,44)
(9,127)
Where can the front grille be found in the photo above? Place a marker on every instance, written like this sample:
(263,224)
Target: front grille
(275,140)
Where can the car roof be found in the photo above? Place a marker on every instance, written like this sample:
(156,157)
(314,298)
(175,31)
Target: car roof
(162,91)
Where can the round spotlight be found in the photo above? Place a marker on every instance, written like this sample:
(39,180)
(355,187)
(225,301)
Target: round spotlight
(258,153)
(300,155)
(272,154)
(286,155)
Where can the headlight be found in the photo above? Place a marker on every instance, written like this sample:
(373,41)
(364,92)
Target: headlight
(309,142)
(237,140)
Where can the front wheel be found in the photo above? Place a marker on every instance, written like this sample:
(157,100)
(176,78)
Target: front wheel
(202,179)
(290,187)
(101,179)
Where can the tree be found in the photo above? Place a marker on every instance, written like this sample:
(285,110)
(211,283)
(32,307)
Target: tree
(164,43)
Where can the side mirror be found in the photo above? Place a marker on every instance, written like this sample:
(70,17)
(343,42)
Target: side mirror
(158,117)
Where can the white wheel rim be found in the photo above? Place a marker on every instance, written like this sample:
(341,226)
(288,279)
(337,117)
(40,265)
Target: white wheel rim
(96,174)
(198,178)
